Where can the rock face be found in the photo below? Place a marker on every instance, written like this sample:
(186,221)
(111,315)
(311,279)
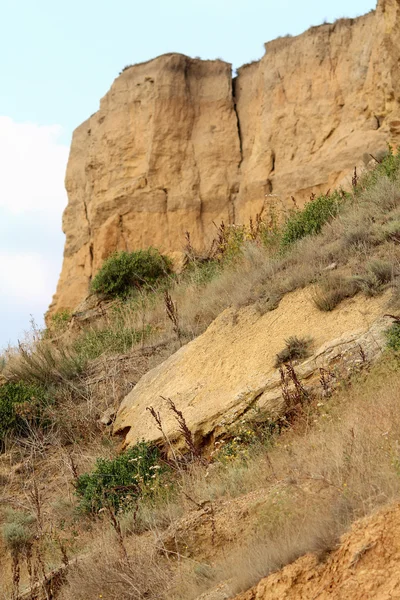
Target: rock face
(176,144)
(221,375)
(160,157)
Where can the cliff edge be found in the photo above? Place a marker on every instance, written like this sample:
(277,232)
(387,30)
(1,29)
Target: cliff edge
(177,144)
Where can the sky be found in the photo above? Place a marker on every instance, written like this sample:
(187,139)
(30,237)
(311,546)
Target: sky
(57,59)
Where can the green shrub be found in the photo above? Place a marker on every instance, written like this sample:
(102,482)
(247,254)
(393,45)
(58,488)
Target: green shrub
(246,438)
(388,166)
(233,243)
(201,272)
(123,271)
(310,220)
(119,482)
(59,321)
(393,337)
(20,404)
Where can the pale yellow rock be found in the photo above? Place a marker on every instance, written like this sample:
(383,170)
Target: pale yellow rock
(176,145)
(217,377)
(159,158)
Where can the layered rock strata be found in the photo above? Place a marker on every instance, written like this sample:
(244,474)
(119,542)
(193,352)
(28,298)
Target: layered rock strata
(228,373)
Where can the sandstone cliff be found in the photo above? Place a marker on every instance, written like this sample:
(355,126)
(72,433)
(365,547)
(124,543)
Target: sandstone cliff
(176,144)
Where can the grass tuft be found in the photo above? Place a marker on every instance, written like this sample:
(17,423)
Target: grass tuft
(332,290)
(295,349)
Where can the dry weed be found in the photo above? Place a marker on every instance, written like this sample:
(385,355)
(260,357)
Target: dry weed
(344,466)
(309,532)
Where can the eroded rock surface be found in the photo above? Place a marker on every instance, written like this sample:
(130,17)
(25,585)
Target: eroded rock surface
(218,377)
(364,567)
(176,145)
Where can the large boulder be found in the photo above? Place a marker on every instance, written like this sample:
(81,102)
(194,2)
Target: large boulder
(228,370)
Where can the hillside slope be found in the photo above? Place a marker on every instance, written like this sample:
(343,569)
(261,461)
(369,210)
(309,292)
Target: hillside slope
(277,360)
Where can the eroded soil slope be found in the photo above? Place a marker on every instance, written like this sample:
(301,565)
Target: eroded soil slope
(365,566)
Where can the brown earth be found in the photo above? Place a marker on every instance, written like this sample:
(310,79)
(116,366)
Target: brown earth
(365,566)
(176,144)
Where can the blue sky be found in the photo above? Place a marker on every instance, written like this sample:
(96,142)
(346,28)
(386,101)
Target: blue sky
(57,60)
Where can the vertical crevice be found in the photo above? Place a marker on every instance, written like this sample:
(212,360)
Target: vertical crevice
(165,190)
(273,159)
(235,189)
(91,260)
(188,63)
(234,83)
(85,208)
(121,230)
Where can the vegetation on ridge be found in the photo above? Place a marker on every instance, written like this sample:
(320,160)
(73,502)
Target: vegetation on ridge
(355,234)
(312,218)
(295,349)
(123,271)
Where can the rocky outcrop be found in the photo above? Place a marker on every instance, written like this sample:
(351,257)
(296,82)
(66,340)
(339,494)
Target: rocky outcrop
(218,378)
(177,145)
(160,157)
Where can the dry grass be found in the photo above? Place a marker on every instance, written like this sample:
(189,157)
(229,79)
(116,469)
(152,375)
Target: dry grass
(341,464)
(315,482)
(339,461)
(378,274)
(41,361)
(332,290)
(295,349)
(263,276)
(310,532)
(107,574)
(365,231)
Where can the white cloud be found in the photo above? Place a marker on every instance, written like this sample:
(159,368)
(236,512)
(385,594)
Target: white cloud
(32,198)
(32,167)
(26,280)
